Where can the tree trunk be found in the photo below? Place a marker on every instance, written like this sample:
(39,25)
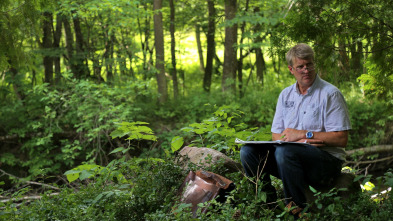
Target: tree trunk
(259,60)
(16,83)
(47,44)
(240,61)
(211,47)
(230,60)
(260,64)
(357,53)
(160,58)
(199,46)
(69,46)
(344,60)
(75,56)
(126,51)
(145,32)
(173,50)
(82,69)
(56,46)
(108,54)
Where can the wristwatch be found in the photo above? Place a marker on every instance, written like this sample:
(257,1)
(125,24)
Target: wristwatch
(309,135)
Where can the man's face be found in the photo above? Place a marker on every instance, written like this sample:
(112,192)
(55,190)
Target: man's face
(304,72)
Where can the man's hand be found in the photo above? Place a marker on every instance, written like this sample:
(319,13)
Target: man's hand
(292,135)
(313,142)
(334,138)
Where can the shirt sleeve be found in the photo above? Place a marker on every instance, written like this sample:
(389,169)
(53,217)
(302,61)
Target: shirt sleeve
(278,120)
(336,113)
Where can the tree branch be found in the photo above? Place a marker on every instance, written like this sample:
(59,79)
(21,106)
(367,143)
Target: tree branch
(26,198)
(371,161)
(29,182)
(373,149)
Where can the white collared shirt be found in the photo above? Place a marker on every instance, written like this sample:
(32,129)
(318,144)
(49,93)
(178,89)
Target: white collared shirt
(321,109)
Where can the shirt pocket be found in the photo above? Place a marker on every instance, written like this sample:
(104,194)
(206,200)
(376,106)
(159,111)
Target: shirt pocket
(290,115)
(312,118)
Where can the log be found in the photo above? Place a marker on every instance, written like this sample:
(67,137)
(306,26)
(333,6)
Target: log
(371,150)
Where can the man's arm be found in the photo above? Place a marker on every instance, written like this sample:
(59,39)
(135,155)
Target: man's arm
(335,138)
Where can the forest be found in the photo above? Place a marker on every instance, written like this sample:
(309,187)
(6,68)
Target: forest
(98,97)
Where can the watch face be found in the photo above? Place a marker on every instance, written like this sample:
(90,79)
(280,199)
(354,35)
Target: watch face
(309,135)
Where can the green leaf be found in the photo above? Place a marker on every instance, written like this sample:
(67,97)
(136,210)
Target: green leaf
(85,174)
(176,143)
(119,149)
(72,175)
(229,120)
(357,178)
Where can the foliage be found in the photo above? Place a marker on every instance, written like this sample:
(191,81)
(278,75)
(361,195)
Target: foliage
(133,130)
(62,126)
(151,195)
(346,48)
(151,186)
(370,119)
(377,82)
(146,189)
(218,133)
(49,128)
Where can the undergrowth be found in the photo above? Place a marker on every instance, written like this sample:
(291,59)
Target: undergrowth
(137,179)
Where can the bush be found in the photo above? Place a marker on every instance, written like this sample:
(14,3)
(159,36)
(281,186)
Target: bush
(152,186)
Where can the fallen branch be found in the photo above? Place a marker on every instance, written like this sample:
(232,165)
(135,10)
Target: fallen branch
(371,150)
(371,161)
(381,193)
(39,134)
(29,182)
(28,198)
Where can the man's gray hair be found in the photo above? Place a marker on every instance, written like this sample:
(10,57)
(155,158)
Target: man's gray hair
(301,51)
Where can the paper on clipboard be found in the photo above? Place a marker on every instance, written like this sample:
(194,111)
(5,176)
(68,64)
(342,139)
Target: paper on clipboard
(277,142)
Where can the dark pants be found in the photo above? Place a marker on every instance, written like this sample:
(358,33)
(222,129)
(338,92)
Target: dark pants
(298,166)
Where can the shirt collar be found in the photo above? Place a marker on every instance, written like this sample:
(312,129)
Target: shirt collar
(310,89)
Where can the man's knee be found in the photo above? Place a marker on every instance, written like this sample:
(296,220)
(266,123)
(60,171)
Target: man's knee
(284,153)
(245,152)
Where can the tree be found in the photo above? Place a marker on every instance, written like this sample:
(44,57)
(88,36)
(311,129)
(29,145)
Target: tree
(159,45)
(173,50)
(47,45)
(56,45)
(230,58)
(199,46)
(211,45)
(241,57)
(145,33)
(351,39)
(80,56)
(18,22)
(259,60)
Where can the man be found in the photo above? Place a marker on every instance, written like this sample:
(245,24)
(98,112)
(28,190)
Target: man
(310,111)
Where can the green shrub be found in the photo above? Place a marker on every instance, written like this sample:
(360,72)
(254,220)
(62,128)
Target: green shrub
(151,186)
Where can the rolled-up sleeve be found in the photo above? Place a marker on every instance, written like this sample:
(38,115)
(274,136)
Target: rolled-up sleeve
(336,113)
(278,120)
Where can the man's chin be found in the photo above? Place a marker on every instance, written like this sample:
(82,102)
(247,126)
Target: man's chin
(308,80)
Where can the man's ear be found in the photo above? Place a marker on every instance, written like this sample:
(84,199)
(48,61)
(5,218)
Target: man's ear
(290,69)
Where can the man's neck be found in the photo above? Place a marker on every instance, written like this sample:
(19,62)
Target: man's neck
(302,90)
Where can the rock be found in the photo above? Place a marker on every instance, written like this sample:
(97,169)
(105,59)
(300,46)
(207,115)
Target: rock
(206,157)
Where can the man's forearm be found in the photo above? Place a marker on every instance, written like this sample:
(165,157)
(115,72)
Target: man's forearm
(336,138)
